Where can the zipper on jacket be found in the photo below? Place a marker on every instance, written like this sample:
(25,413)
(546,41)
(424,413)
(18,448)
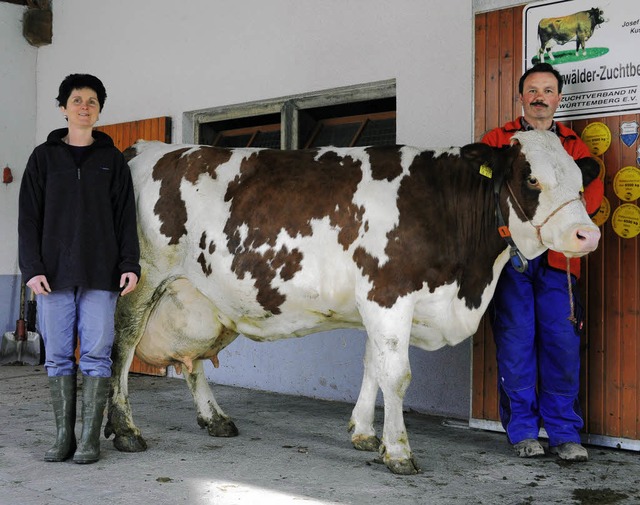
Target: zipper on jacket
(78,173)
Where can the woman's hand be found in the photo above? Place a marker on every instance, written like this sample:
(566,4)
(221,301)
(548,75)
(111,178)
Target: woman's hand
(39,285)
(128,282)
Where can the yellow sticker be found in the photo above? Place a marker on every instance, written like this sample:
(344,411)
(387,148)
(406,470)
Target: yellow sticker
(603,169)
(626,220)
(603,212)
(486,171)
(597,136)
(626,184)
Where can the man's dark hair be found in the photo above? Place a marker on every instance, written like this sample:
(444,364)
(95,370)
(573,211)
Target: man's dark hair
(540,67)
(80,81)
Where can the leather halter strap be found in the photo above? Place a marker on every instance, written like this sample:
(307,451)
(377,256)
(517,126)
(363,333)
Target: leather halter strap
(538,227)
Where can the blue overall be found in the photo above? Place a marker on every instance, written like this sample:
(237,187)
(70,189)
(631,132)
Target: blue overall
(538,354)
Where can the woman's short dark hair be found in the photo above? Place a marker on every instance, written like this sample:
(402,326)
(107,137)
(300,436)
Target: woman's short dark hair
(80,81)
(540,67)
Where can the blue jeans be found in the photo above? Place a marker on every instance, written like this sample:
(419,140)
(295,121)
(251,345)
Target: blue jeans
(538,354)
(85,313)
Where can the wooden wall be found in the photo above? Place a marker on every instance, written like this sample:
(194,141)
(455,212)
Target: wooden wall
(610,392)
(125,135)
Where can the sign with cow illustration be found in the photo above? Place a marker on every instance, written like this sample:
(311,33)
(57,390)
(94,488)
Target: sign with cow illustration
(593,44)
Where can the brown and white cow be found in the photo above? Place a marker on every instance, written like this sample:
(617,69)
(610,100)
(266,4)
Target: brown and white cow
(274,244)
(560,30)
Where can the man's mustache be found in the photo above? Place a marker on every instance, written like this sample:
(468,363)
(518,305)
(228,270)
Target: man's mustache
(542,104)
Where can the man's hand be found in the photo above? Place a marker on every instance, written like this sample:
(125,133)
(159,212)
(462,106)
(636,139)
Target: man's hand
(128,282)
(39,285)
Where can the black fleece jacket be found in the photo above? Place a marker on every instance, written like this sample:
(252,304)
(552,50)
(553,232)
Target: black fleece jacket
(77,224)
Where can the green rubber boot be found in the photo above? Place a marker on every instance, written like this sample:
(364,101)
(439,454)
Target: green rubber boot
(94,399)
(63,398)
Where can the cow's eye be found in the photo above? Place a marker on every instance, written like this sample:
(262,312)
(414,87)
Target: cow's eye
(533,183)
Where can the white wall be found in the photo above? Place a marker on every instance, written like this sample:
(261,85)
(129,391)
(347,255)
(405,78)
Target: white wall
(165,57)
(17,135)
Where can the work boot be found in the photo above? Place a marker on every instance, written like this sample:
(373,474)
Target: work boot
(63,398)
(570,451)
(94,399)
(528,448)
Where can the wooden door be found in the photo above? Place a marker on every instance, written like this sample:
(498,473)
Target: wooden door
(610,376)
(125,135)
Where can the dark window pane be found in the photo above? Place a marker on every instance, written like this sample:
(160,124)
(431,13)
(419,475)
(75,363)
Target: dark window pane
(378,132)
(233,140)
(267,139)
(339,135)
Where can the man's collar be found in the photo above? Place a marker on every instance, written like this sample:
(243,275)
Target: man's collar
(527,126)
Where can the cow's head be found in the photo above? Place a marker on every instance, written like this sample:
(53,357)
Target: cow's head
(597,16)
(543,193)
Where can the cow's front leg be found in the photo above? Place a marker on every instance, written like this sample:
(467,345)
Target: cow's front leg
(363,435)
(119,419)
(395,377)
(210,415)
(389,333)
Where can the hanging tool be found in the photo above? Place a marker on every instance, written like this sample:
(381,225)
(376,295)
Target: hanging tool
(32,311)
(21,347)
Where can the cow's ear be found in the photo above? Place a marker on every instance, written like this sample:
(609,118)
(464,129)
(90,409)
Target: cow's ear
(478,154)
(590,169)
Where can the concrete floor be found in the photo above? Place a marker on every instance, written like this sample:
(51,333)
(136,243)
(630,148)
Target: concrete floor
(290,451)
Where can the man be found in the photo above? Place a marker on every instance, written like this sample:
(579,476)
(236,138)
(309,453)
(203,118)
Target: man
(537,345)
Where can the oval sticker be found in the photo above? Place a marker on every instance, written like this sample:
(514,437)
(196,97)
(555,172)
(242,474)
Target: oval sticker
(626,184)
(626,220)
(597,136)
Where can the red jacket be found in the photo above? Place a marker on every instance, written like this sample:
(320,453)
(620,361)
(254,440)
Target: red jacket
(593,193)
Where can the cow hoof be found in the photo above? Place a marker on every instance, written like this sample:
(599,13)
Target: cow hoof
(366,442)
(403,466)
(222,428)
(134,443)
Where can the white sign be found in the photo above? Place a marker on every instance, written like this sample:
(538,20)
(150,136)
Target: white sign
(594,44)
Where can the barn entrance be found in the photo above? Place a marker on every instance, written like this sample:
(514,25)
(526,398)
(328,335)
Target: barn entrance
(610,285)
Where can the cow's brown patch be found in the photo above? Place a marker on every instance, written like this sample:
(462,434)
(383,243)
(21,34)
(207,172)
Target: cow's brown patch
(446,232)
(206,266)
(170,170)
(203,240)
(385,162)
(287,190)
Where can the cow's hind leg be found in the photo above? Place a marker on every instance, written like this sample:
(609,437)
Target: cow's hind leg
(363,435)
(119,419)
(210,415)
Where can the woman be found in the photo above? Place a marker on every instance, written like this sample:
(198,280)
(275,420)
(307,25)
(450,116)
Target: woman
(78,249)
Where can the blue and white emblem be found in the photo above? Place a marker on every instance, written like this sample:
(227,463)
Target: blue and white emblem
(629,132)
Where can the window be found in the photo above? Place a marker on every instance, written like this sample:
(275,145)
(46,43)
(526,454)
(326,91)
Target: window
(350,116)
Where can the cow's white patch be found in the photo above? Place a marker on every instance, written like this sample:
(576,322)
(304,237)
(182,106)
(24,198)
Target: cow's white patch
(446,151)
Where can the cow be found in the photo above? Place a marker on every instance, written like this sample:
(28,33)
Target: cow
(578,26)
(402,242)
